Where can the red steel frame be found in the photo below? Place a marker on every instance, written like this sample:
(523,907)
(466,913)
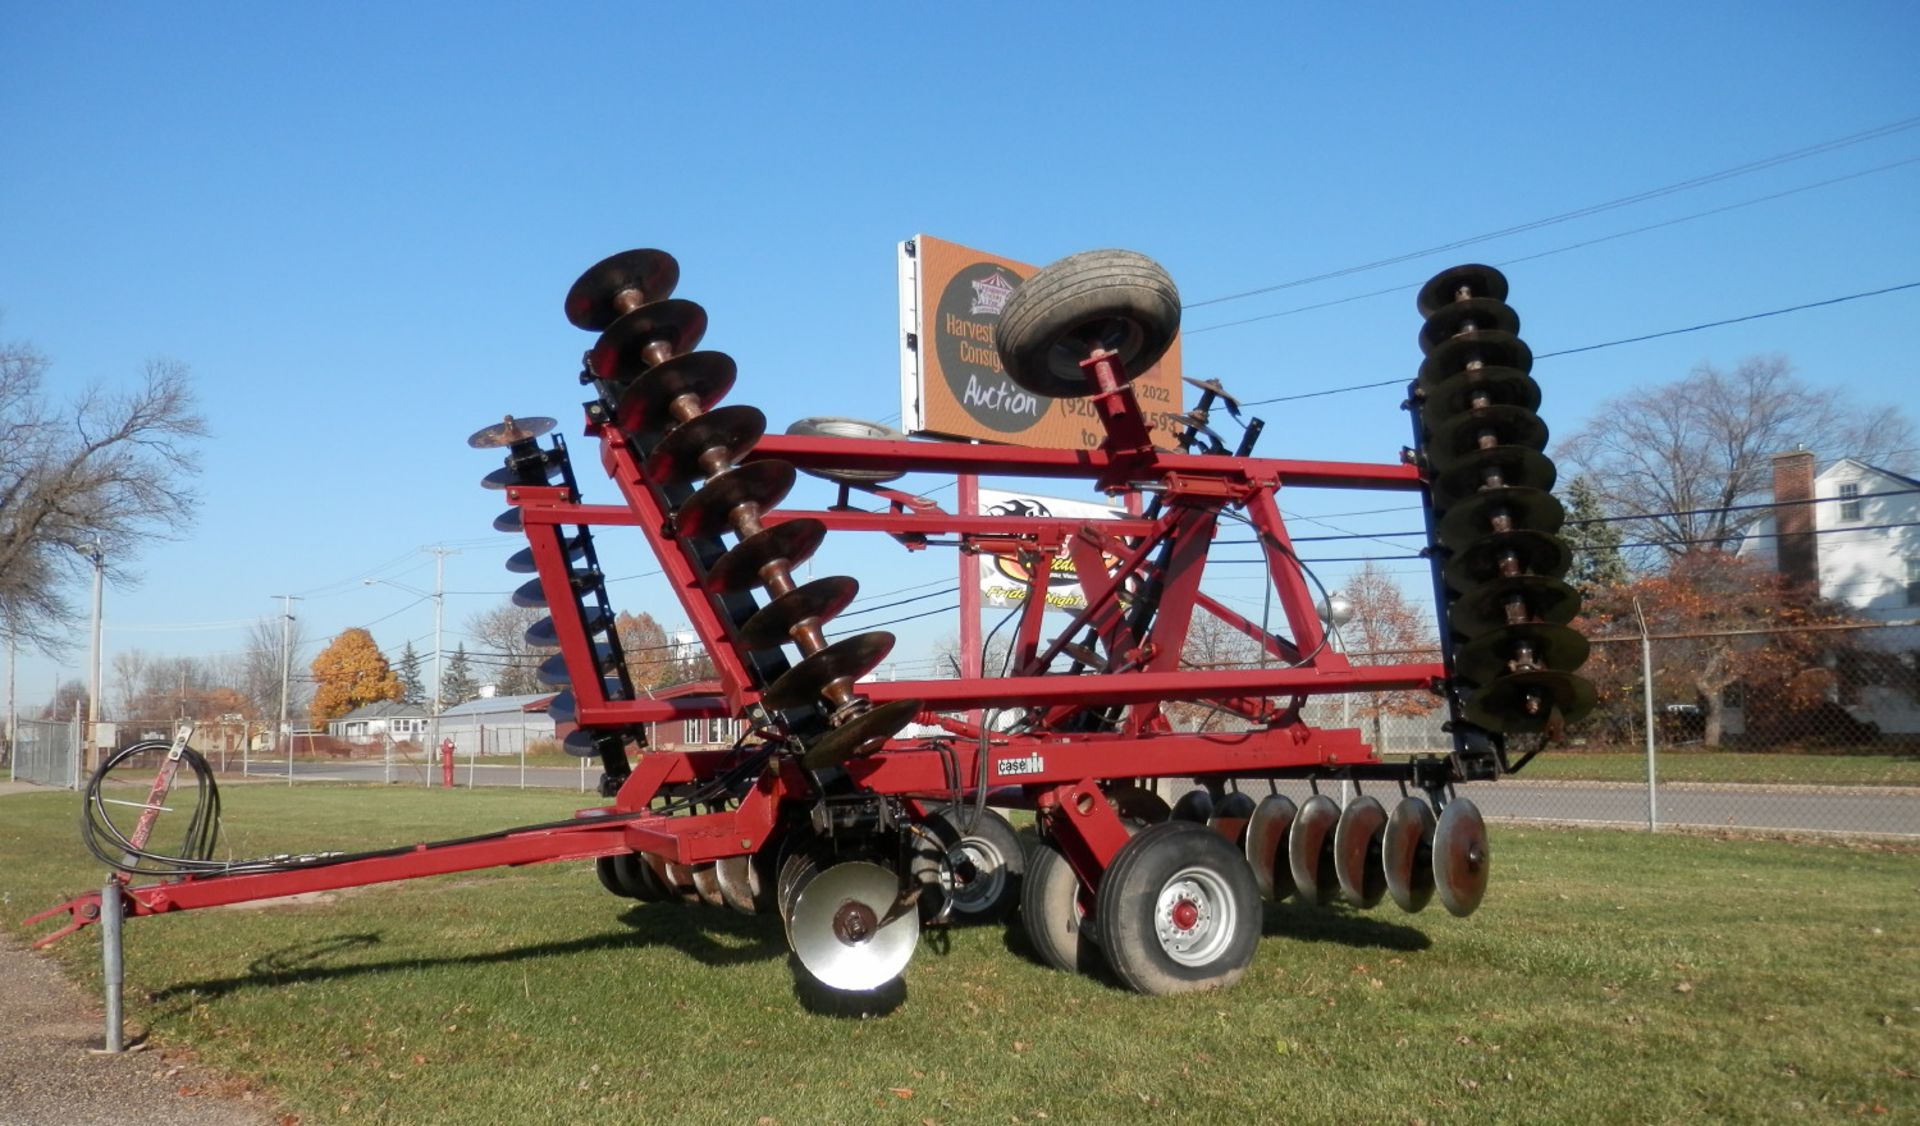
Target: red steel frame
(1055,771)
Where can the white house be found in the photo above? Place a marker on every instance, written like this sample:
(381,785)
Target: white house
(370,723)
(1853,528)
(497,725)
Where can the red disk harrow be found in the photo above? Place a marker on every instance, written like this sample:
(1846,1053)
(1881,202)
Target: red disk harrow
(856,834)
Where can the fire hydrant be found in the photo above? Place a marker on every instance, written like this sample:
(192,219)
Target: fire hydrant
(446,763)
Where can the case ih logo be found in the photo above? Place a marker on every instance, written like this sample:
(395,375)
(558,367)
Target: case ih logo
(1013,767)
(990,294)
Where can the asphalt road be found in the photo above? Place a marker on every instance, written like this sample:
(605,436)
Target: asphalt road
(1820,809)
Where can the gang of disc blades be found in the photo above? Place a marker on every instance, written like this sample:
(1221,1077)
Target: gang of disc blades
(833,426)
(860,736)
(734,431)
(1466,475)
(640,402)
(1443,288)
(1459,435)
(1536,553)
(592,299)
(737,882)
(820,600)
(848,659)
(620,351)
(1501,705)
(1356,851)
(508,431)
(1484,314)
(1504,387)
(1555,648)
(1488,349)
(1484,607)
(1310,851)
(1461,857)
(1194,805)
(1230,816)
(1266,846)
(835,927)
(543,634)
(790,541)
(761,483)
(521,562)
(1406,853)
(1530,509)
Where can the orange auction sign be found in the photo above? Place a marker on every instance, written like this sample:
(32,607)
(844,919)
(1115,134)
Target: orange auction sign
(952,384)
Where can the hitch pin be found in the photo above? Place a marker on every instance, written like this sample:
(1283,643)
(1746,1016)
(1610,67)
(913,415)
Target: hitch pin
(137,804)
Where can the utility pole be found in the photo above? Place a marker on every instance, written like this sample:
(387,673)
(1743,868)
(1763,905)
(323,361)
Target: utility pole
(439,650)
(286,671)
(91,750)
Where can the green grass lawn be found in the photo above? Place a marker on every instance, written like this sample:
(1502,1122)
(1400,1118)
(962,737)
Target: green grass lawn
(1729,766)
(1610,976)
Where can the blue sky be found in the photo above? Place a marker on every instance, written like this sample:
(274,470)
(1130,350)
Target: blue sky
(356,224)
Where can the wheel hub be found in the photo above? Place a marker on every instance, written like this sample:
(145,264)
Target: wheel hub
(1193,917)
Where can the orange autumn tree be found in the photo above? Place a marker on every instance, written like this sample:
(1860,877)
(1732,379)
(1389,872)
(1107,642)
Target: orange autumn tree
(1721,620)
(349,672)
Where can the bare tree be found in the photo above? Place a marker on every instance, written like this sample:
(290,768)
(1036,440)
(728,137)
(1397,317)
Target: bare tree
(108,467)
(130,673)
(259,674)
(508,661)
(1679,456)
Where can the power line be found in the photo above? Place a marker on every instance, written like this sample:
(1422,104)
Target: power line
(1582,212)
(1729,321)
(1581,245)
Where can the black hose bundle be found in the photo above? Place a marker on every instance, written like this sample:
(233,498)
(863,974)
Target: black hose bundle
(115,849)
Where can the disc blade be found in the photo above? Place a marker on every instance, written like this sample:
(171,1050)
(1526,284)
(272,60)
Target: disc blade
(1475,314)
(1534,553)
(580,744)
(836,931)
(763,484)
(554,673)
(562,708)
(706,444)
(1488,656)
(521,562)
(1484,607)
(1194,805)
(737,882)
(530,595)
(1515,467)
(1356,851)
(819,601)
(1266,846)
(1230,816)
(1444,288)
(640,402)
(507,476)
(544,634)
(623,349)
(1461,857)
(1406,853)
(510,521)
(1488,349)
(509,431)
(1137,805)
(860,736)
(706,884)
(1310,851)
(1503,705)
(1495,386)
(791,542)
(843,661)
(1472,518)
(1459,435)
(594,300)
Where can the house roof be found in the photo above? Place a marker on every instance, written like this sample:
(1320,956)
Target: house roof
(383,709)
(1904,480)
(494,705)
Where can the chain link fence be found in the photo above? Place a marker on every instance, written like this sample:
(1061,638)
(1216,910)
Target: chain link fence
(47,753)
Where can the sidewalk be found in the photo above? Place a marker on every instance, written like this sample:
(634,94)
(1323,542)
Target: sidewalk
(49,1078)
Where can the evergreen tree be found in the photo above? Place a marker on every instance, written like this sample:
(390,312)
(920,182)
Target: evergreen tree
(458,685)
(411,690)
(1595,542)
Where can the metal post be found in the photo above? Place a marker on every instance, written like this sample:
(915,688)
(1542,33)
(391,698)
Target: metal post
(112,961)
(523,760)
(79,746)
(583,774)
(93,678)
(1646,678)
(246,746)
(439,650)
(286,672)
(386,742)
(972,659)
(13,725)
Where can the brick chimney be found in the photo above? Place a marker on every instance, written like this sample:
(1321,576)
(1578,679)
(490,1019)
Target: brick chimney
(1798,549)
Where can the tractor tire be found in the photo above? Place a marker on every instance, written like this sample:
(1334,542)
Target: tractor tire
(1179,910)
(1116,300)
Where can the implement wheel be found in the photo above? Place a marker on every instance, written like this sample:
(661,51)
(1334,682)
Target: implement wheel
(1114,300)
(1179,910)
(1050,911)
(986,861)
